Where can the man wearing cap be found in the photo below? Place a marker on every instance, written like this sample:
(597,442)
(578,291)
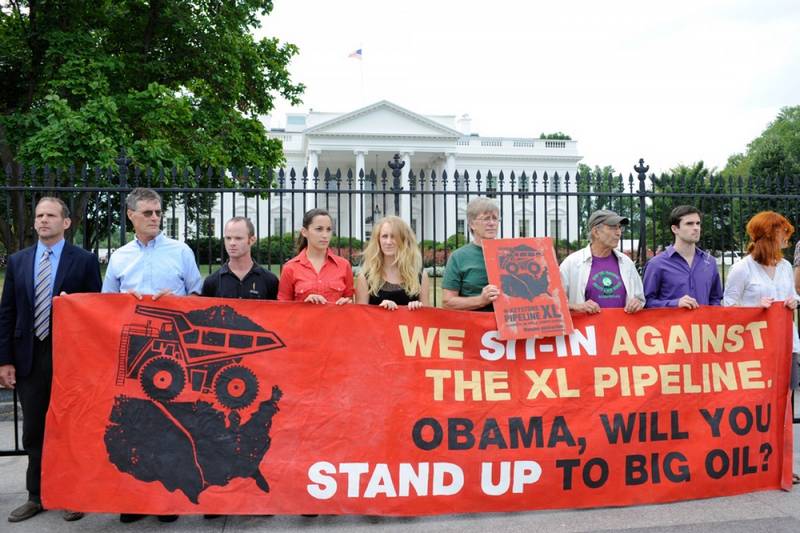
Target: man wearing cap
(599,275)
(684,275)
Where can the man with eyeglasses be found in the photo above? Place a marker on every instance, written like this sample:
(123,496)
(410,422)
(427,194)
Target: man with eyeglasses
(600,276)
(466,285)
(151,264)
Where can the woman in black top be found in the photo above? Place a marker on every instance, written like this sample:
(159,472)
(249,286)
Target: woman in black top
(391,273)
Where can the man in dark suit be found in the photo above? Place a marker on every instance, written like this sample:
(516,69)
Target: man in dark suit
(50,267)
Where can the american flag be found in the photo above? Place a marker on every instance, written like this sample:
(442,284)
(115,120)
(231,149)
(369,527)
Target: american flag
(357,54)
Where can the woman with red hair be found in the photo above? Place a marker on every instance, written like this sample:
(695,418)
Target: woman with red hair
(764,276)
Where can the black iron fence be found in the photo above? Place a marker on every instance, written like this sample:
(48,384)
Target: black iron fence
(197,202)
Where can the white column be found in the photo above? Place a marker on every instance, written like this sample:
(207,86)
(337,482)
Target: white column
(405,199)
(429,199)
(452,215)
(506,204)
(313,164)
(358,215)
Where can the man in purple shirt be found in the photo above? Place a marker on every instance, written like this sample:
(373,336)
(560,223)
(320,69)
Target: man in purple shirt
(683,275)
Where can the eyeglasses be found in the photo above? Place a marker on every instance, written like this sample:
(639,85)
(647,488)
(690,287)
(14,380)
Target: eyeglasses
(487,219)
(150,212)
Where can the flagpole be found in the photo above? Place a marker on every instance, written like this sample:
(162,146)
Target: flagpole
(361,68)
(361,71)
(359,54)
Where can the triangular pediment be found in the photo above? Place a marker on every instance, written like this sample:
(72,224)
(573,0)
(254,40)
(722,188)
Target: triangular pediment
(383,119)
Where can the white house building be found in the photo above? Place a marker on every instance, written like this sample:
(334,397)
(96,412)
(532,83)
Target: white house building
(364,140)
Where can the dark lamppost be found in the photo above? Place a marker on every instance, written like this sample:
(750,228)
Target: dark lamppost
(641,169)
(396,165)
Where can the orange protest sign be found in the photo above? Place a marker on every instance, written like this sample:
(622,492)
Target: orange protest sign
(192,405)
(532,302)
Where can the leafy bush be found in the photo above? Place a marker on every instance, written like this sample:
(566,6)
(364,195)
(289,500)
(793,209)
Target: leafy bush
(434,258)
(350,242)
(275,249)
(455,241)
(208,249)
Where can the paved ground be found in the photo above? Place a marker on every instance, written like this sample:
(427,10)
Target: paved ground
(769,512)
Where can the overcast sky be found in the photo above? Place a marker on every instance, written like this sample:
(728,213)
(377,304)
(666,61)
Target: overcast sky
(673,82)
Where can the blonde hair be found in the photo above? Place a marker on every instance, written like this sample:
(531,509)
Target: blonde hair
(407,258)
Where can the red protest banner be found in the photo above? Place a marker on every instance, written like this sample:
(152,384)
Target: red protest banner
(192,405)
(532,302)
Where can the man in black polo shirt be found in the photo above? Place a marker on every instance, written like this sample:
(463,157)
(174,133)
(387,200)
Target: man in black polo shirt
(241,277)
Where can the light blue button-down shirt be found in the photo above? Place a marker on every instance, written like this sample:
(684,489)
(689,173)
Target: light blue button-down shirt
(55,257)
(162,263)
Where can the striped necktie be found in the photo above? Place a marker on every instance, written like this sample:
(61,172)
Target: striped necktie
(42,297)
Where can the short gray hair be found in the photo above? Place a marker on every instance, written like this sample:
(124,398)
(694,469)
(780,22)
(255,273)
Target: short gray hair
(480,205)
(251,229)
(139,194)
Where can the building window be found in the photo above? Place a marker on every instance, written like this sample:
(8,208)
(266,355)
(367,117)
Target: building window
(414,225)
(171,226)
(278,225)
(491,186)
(460,226)
(524,228)
(555,184)
(459,180)
(523,185)
(555,229)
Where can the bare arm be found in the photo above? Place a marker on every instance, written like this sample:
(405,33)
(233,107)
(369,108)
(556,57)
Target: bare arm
(423,298)
(362,289)
(451,299)
(425,290)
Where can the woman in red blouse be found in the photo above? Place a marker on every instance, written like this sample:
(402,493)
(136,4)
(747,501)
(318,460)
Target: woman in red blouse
(316,274)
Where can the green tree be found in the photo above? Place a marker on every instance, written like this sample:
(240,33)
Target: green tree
(176,82)
(770,166)
(774,153)
(612,191)
(559,136)
(605,187)
(710,192)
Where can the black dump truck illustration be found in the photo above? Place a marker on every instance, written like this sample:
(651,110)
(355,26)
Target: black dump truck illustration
(165,358)
(523,274)
(520,260)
